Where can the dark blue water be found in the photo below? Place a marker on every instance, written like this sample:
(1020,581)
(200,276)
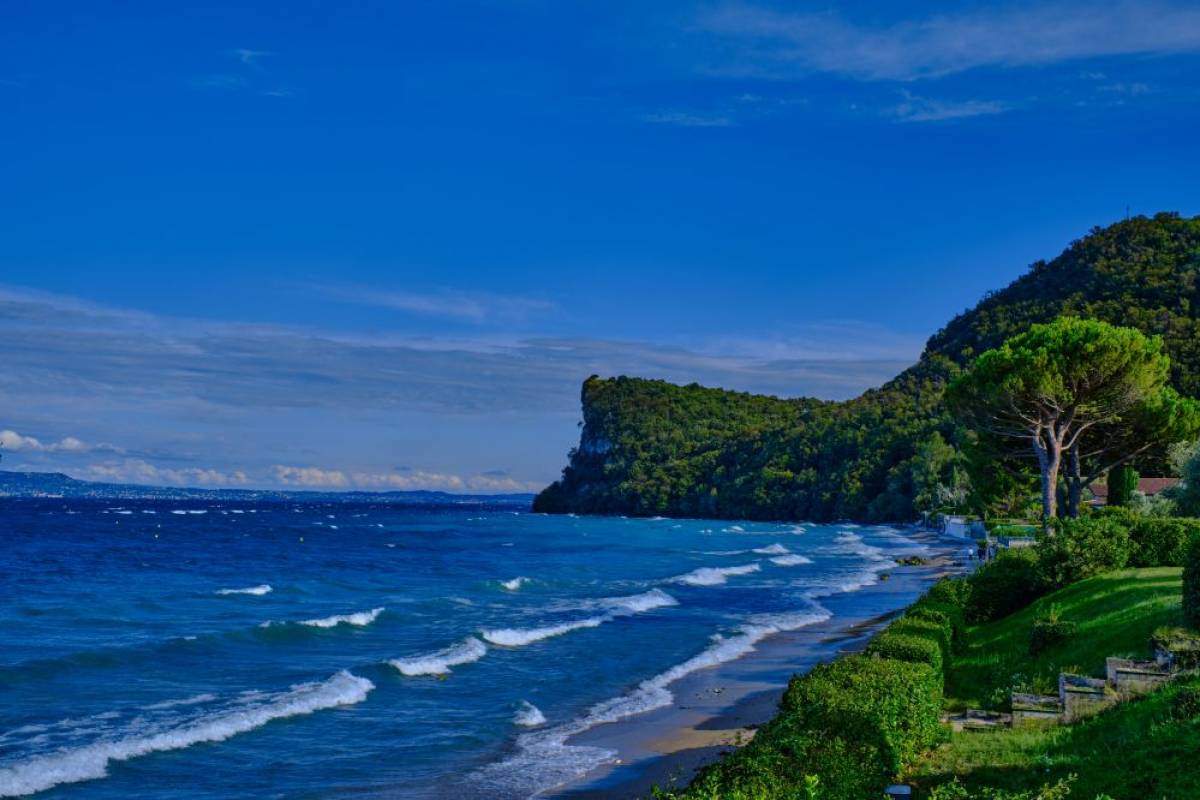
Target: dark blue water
(202,650)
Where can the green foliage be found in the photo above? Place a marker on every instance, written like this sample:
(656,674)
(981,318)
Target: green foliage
(906,647)
(1187,703)
(1161,541)
(1181,643)
(1080,548)
(648,447)
(1003,585)
(956,791)
(940,633)
(949,617)
(1122,483)
(1187,497)
(1049,631)
(1191,584)
(889,708)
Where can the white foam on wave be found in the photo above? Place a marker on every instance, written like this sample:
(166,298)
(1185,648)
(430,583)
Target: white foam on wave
(514,584)
(544,759)
(613,606)
(714,576)
(440,662)
(359,618)
(187,701)
(91,761)
(529,715)
(734,529)
(519,637)
(772,550)
(791,560)
(258,591)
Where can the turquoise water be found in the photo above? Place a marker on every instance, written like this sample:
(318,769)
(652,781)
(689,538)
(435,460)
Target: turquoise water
(204,650)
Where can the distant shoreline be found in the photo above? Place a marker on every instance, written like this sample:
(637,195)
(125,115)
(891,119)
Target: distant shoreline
(718,708)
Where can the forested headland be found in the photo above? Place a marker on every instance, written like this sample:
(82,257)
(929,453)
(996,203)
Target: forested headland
(650,447)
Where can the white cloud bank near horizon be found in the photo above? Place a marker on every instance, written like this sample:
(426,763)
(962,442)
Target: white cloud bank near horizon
(236,404)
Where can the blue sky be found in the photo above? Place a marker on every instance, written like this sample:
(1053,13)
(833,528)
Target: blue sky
(380,244)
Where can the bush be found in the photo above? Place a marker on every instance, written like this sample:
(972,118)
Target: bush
(1161,541)
(905,647)
(1049,631)
(888,708)
(1182,644)
(1081,548)
(937,632)
(1191,584)
(950,618)
(951,591)
(956,791)
(1006,584)
(1186,704)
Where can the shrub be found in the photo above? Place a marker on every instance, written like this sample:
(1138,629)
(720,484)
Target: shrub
(1049,631)
(1161,541)
(1182,644)
(1081,548)
(951,591)
(937,632)
(888,708)
(1122,483)
(1006,584)
(1191,584)
(950,618)
(1186,703)
(904,647)
(956,791)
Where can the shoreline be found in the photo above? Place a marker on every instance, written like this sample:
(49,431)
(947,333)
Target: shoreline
(716,710)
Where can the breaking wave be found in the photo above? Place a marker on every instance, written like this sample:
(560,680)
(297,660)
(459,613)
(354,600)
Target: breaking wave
(515,584)
(439,663)
(91,761)
(360,618)
(714,576)
(259,590)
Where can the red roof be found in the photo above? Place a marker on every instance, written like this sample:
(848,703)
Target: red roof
(1147,486)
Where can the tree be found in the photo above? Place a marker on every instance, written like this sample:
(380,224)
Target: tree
(1122,482)
(1049,387)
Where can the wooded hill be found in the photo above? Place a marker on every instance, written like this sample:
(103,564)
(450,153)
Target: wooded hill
(650,447)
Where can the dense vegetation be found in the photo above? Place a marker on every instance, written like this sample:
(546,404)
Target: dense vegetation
(848,728)
(649,447)
(1141,749)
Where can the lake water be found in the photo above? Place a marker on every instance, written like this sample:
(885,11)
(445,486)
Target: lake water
(166,649)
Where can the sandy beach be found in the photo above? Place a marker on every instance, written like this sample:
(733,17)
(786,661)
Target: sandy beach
(717,710)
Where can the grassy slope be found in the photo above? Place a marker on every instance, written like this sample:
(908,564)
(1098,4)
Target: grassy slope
(1115,614)
(1138,750)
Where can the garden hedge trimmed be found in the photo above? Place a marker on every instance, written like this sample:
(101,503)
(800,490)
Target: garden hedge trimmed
(889,709)
(905,647)
(1191,584)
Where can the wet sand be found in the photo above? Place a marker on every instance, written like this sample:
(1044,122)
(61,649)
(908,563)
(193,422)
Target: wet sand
(718,709)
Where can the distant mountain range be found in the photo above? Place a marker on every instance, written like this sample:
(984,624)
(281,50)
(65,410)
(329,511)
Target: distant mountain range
(56,484)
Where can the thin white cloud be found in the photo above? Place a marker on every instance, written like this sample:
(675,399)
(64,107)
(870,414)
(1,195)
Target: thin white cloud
(248,56)
(408,480)
(758,41)
(12,441)
(474,307)
(687,120)
(134,470)
(927,109)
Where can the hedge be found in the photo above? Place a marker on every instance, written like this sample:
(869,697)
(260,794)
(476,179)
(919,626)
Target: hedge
(1003,585)
(1191,584)
(1161,541)
(887,708)
(938,633)
(905,647)
(1081,548)
(950,617)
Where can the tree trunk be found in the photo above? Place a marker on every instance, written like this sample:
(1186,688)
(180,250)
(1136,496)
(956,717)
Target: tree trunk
(1074,484)
(1049,455)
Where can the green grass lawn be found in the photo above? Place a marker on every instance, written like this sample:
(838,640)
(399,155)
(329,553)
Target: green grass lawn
(1115,614)
(1140,750)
